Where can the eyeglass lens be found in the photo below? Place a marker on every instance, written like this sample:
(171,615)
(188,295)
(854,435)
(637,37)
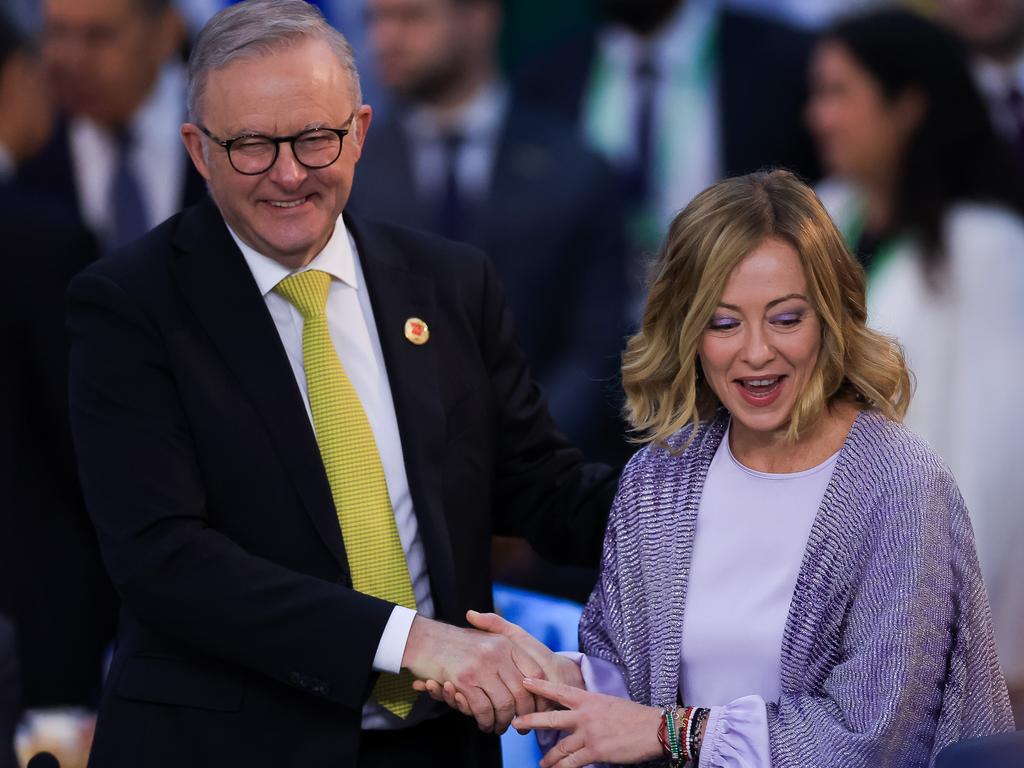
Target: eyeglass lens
(256,154)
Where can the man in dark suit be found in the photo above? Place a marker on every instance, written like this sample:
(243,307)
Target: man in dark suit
(461,157)
(114,160)
(52,584)
(297,432)
(677,95)
(759,70)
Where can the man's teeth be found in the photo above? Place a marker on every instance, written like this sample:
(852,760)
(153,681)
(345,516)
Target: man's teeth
(291,204)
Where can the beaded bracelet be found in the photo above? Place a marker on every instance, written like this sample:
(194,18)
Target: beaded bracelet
(684,730)
(669,736)
(692,734)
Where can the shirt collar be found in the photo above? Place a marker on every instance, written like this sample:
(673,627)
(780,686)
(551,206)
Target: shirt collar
(336,259)
(996,79)
(676,43)
(7,168)
(480,118)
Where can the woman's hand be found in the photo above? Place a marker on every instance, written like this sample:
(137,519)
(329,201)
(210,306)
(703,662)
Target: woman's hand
(555,668)
(602,729)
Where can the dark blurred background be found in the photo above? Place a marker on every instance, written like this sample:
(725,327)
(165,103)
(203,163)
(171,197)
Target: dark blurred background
(560,137)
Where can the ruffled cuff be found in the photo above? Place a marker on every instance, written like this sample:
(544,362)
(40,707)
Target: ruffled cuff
(599,676)
(737,736)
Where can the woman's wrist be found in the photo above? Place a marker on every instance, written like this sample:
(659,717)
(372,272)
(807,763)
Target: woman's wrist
(652,734)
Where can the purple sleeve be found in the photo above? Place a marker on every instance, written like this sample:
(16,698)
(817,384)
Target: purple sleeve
(737,736)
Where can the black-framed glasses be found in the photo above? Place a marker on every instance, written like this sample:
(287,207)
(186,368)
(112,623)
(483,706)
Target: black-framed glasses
(254,154)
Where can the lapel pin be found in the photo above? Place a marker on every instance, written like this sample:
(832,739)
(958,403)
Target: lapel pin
(416,331)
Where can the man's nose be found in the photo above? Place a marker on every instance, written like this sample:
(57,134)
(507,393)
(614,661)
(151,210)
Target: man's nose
(287,171)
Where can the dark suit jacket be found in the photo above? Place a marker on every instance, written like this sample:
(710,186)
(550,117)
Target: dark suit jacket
(52,583)
(51,175)
(551,224)
(762,80)
(10,705)
(241,641)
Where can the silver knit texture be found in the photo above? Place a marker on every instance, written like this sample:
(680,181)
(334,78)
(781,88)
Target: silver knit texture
(887,651)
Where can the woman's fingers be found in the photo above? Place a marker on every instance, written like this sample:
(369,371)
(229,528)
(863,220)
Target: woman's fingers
(565,695)
(569,745)
(553,720)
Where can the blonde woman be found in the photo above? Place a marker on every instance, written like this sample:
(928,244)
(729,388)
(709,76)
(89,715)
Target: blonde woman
(789,576)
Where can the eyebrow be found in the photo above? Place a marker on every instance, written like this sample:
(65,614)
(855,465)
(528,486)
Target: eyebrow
(770,304)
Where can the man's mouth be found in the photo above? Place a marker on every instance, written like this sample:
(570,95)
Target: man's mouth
(288,203)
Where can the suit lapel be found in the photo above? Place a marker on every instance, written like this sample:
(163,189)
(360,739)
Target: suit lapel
(217,284)
(396,294)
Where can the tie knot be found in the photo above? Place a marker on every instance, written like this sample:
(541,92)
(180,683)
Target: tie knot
(307,291)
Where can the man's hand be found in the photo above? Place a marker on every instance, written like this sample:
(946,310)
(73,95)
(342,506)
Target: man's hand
(556,668)
(487,669)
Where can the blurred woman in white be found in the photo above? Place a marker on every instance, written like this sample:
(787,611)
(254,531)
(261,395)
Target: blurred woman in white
(925,195)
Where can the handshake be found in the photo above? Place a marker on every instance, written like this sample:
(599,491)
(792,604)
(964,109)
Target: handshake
(487,672)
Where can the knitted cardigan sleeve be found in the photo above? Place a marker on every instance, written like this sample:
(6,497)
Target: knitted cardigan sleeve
(903,659)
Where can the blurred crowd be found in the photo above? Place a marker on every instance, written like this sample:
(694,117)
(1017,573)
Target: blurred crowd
(561,138)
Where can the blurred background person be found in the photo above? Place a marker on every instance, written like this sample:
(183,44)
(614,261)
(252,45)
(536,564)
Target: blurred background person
(464,158)
(994,30)
(54,594)
(52,584)
(677,94)
(115,160)
(926,194)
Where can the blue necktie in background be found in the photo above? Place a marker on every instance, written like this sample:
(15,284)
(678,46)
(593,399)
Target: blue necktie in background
(126,204)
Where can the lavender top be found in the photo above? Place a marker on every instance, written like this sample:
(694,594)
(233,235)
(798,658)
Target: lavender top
(886,651)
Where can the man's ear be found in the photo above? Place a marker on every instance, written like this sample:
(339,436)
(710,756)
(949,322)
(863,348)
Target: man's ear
(360,127)
(194,145)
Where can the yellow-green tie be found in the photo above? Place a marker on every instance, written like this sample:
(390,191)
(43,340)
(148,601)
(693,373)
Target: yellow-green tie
(354,470)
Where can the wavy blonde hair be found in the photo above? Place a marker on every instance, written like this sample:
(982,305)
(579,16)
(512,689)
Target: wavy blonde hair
(705,243)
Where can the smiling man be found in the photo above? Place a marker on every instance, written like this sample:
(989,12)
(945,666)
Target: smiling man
(297,432)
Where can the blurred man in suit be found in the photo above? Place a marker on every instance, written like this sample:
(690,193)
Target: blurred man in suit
(52,584)
(463,158)
(994,29)
(677,94)
(115,160)
(297,431)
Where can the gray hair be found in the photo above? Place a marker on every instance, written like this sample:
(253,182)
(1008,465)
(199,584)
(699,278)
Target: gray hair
(257,28)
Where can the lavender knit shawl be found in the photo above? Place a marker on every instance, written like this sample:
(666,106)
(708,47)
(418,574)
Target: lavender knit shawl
(887,652)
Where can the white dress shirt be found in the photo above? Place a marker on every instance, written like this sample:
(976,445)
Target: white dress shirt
(7,168)
(354,333)
(158,156)
(995,82)
(479,122)
(687,148)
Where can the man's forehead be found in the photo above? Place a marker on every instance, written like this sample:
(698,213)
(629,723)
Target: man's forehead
(91,11)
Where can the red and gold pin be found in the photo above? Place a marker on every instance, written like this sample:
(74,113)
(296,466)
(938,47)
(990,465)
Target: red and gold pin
(416,331)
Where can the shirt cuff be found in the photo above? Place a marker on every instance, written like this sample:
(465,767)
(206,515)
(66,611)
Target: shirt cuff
(737,735)
(391,647)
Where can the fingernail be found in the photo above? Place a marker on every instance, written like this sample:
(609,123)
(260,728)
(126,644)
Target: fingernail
(527,681)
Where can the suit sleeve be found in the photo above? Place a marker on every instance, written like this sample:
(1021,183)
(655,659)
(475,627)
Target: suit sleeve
(177,574)
(543,490)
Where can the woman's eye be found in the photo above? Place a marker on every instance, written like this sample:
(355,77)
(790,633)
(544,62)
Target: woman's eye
(723,324)
(788,319)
